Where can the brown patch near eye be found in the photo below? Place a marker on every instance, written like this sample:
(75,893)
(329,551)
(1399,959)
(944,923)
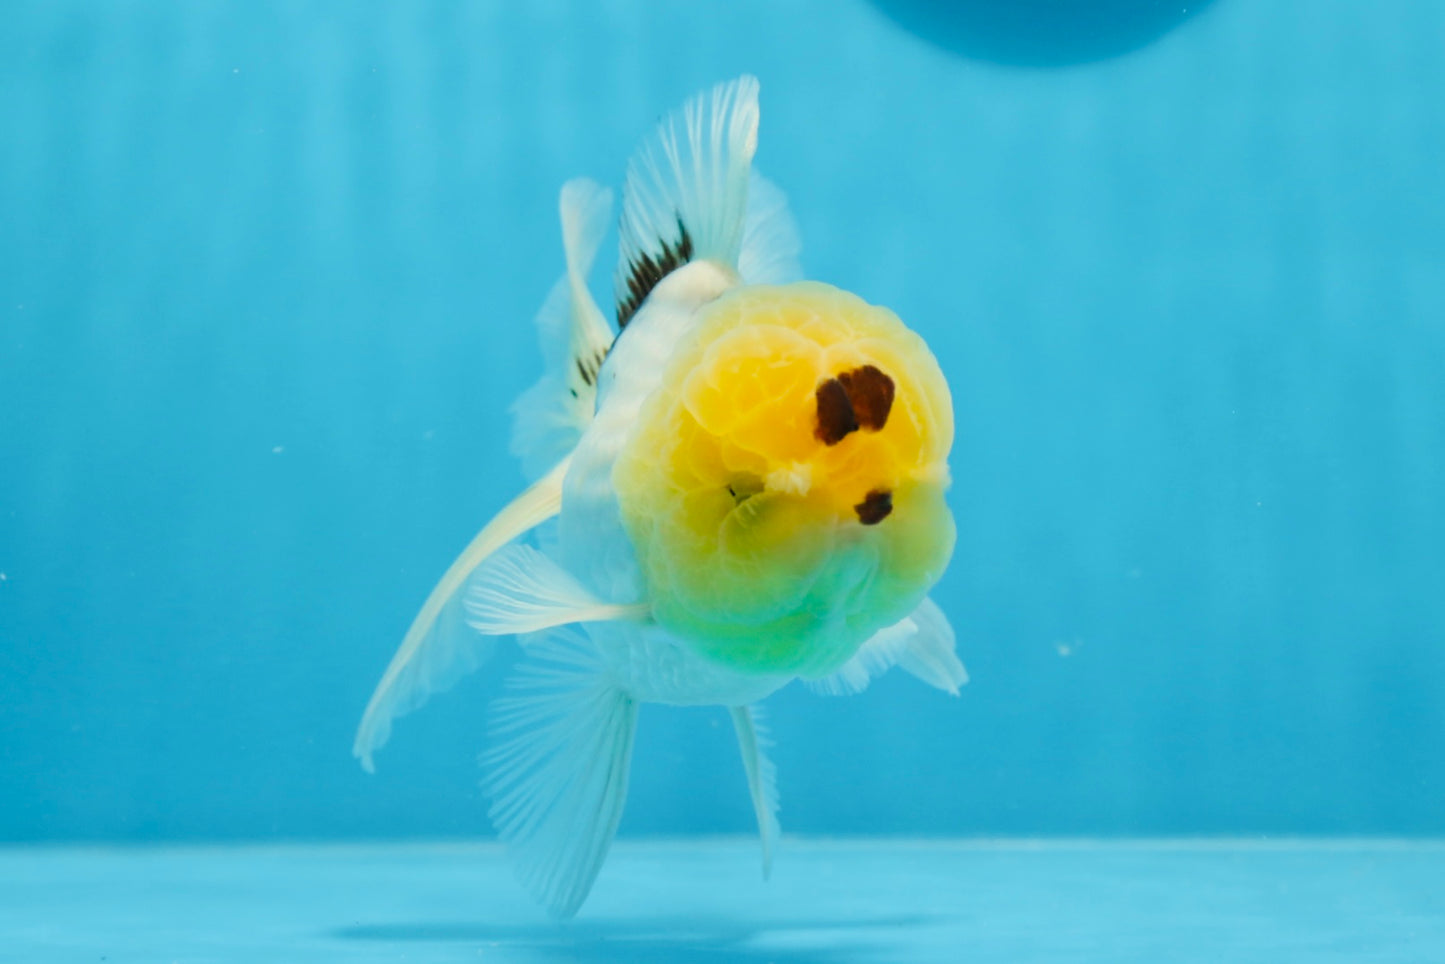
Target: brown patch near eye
(875,507)
(870,392)
(836,419)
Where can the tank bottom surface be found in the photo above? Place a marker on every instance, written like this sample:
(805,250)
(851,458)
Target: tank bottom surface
(704,900)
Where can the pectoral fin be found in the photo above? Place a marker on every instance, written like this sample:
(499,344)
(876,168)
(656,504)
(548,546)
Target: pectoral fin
(520,590)
(930,655)
(557,772)
(922,644)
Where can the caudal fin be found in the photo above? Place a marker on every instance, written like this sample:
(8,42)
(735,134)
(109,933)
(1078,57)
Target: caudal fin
(439,649)
(549,418)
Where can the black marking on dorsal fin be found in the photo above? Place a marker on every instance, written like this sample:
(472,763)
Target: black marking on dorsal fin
(645,271)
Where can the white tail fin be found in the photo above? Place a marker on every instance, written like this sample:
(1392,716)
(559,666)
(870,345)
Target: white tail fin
(519,590)
(550,417)
(437,651)
(922,644)
(686,195)
(557,772)
(762,776)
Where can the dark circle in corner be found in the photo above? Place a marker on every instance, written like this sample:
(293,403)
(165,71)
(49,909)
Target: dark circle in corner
(1040,33)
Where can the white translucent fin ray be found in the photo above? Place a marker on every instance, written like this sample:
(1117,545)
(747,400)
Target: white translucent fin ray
(753,743)
(547,421)
(550,417)
(771,244)
(686,194)
(520,590)
(931,654)
(437,650)
(586,211)
(875,657)
(557,773)
(922,644)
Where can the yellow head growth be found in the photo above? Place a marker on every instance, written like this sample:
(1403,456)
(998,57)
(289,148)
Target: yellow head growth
(784,486)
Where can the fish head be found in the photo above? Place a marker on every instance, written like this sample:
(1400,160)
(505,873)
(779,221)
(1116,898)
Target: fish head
(784,486)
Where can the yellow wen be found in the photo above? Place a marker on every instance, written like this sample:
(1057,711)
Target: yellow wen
(748,524)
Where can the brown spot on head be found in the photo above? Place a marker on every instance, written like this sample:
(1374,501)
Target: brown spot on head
(870,392)
(836,419)
(875,507)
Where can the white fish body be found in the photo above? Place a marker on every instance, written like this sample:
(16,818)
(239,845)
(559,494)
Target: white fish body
(697,224)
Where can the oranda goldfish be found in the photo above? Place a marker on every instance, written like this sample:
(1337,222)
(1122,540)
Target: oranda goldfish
(748,483)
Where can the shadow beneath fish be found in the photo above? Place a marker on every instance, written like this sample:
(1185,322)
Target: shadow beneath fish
(674,941)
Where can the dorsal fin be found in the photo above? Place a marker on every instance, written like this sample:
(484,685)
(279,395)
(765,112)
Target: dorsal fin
(644,273)
(686,195)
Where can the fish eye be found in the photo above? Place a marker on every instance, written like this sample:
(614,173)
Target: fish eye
(860,398)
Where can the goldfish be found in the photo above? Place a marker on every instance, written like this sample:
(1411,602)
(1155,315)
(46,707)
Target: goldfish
(740,485)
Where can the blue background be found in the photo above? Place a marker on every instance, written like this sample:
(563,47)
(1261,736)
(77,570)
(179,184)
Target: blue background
(266,279)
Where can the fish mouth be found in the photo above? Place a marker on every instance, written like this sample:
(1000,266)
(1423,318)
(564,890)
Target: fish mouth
(742,486)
